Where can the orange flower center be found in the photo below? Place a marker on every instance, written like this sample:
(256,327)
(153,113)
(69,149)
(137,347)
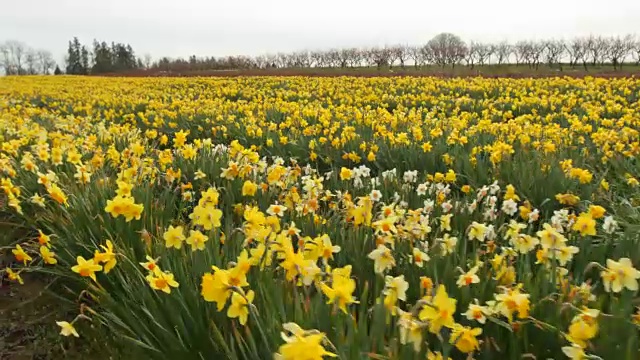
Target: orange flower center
(234,281)
(161,283)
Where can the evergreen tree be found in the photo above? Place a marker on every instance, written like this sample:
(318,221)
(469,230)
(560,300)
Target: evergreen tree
(74,64)
(84,61)
(57,71)
(103,58)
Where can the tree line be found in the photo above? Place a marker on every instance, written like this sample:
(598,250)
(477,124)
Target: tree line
(17,58)
(102,58)
(443,50)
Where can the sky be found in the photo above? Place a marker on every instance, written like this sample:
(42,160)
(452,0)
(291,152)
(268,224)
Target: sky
(252,27)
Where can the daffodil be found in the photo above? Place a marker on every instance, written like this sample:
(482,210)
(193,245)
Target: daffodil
(439,312)
(341,290)
(107,257)
(48,256)
(150,264)
(174,236)
(383,259)
(249,188)
(197,240)
(619,275)
(21,255)
(395,289)
(216,287)
(469,277)
(574,352)
(86,268)
(410,330)
(465,338)
(419,257)
(585,224)
(239,307)
(161,280)
(477,231)
(14,276)
(67,329)
(513,301)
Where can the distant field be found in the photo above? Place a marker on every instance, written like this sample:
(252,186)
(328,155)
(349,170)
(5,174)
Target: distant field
(512,71)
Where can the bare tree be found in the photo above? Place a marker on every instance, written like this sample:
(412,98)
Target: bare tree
(537,51)
(271,60)
(30,62)
(597,48)
(357,57)
(428,55)
(400,53)
(45,61)
(415,54)
(379,56)
(16,51)
(577,50)
(447,49)
(299,59)
(6,60)
(281,60)
(147,60)
(503,52)
(334,58)
(553,52)
(471,54)
(260,61)
(522,49)
(484,52)
(618,49)
(329,57)
(353,57)
(636,51)
(370,57)
(315,59)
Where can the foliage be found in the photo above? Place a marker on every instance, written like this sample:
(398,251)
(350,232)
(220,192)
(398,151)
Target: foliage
(374,218)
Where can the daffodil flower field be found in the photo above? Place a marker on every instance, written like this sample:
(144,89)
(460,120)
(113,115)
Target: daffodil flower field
(350,218)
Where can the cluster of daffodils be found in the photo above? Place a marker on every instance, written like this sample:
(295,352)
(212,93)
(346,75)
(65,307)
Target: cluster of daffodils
(412,218)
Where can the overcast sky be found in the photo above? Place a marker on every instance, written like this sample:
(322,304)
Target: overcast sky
(252,27)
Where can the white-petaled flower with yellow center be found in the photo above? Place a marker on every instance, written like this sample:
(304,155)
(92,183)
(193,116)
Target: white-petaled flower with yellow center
(477,231)
(276,209)
(419,257)
(478,313)
(395,288)
(375,195)
(448,244)
(383,259)
(619,275)
(469,277)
